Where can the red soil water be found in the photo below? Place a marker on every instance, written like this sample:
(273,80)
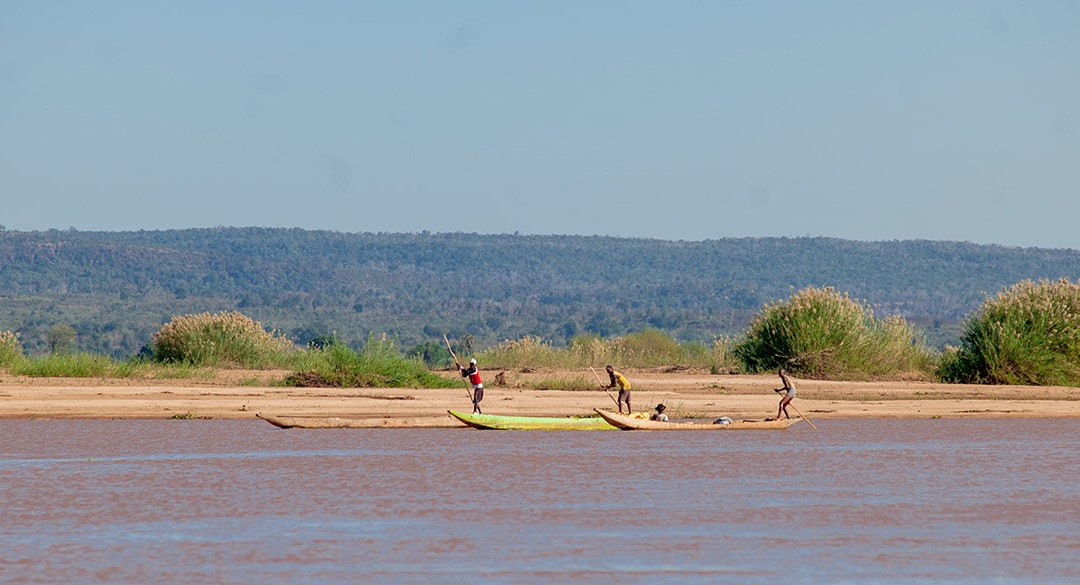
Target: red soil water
(858,501)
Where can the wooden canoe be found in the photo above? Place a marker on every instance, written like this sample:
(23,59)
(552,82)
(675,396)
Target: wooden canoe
(628,423)
(313,422)
(531,423)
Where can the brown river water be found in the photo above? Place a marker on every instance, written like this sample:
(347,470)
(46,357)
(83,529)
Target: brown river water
(236,501)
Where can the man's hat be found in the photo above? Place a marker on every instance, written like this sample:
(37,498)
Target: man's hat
(660,407)
(473,361)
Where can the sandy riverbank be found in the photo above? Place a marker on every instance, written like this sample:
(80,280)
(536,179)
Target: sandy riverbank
(240,394)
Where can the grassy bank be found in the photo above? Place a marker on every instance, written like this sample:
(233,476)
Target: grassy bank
(646,349)
(84,365)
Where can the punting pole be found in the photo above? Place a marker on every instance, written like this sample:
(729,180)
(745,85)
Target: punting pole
(601,382)
(468,387)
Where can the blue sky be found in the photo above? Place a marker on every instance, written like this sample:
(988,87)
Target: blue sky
(936,120)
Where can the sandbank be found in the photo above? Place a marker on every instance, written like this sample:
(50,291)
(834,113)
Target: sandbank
(240,394)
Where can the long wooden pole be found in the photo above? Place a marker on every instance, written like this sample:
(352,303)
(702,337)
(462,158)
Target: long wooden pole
(601,382)
(802,415)
(468,387)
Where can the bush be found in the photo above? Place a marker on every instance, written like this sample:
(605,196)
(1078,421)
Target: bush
(225,339)
(10,348)
(1027,334)
(820,333)
(378,365)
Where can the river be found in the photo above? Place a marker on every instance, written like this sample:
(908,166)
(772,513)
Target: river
(236,501)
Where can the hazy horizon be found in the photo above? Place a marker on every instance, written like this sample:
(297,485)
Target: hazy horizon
(677,121)
(556,235)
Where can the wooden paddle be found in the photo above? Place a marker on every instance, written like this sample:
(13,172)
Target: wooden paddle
(601,382)
(468,387)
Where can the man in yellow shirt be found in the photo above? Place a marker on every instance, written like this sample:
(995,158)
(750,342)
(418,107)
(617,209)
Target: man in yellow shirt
(620,380)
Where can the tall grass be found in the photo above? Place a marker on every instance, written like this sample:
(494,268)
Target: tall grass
(85,365)
(820,333)
(1027,334)
(10,348)
(378,364)
(644,349)
(222,339)
(67,365)
(575,383)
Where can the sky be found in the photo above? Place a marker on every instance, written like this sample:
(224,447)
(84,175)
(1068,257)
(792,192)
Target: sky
(676,120)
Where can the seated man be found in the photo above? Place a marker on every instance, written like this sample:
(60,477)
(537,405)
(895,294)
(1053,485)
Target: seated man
(659,414)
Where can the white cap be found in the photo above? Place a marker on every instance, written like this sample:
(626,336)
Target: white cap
(472,361)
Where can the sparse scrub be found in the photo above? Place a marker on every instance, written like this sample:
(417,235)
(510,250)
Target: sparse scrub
(1027,334)
(820,333)
(645,349)
(573,384)
(378,364)
(10,348)
(184,416)
(222,339)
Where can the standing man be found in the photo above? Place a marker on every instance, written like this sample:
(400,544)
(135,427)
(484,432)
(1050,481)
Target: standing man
(473,374)
(788,391)
(620,380)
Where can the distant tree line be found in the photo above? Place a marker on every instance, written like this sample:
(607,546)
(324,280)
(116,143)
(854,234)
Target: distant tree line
(115,289)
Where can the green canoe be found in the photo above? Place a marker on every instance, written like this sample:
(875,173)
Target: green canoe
(531,423)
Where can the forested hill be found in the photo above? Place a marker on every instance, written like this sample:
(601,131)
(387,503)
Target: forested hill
(117,288)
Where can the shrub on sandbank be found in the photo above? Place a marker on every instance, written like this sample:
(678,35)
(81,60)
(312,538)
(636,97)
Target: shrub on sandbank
(1027,334)
(223,339)
(820,333)
(378,364)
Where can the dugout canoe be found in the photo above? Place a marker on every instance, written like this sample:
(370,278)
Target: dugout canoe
(628,423)
(313,422)
(531,423)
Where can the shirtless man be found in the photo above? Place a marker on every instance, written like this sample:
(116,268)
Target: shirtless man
(788,391)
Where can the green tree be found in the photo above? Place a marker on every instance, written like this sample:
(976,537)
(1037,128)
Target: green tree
(60,338)
(433,354)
